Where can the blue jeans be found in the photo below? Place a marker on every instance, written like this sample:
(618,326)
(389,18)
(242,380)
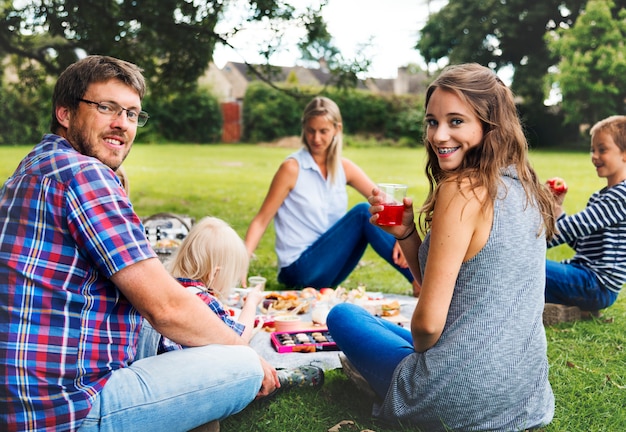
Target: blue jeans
(329,261)
(575,285)
(373,345)
(178,390)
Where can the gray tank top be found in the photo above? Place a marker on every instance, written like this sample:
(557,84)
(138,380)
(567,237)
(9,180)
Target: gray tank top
(489,369)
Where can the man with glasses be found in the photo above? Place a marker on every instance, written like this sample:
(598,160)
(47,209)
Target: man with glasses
(77,274)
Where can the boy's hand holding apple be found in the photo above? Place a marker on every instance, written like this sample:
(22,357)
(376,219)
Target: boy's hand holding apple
(557,185)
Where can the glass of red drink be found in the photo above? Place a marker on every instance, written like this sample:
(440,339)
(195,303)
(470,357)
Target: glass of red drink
(393,195)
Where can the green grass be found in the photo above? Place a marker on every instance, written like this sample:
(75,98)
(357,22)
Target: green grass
(588,359)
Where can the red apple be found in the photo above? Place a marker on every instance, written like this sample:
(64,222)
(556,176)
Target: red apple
(557,185)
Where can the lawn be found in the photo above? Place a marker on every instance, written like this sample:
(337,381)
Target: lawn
(588,359)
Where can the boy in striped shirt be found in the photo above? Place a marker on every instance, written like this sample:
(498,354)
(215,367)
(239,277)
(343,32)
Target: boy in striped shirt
(593,277)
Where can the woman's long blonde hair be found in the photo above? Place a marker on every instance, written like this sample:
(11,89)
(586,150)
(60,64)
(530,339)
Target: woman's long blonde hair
(323,106)
(504,143)
(212,253)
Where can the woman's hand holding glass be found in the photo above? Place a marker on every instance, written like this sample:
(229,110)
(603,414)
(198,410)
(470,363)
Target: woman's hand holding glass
(408,216)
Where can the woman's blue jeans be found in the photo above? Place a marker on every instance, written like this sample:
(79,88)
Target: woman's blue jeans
(331,259)
(177,390)
(575,285)
(373,345)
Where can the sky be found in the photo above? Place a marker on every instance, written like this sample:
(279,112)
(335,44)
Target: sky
(392,25)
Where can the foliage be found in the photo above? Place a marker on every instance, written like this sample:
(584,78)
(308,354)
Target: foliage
(548,130)
(54,34)
(270,114)
(191,116)
(594,49)
(25,108)
(150,33)
(390,117)
(194,115)
(362,112)
(500,33)
(318,44)
(48,36)
(406,120)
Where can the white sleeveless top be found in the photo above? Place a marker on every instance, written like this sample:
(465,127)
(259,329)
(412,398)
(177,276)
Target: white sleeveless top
(310,209)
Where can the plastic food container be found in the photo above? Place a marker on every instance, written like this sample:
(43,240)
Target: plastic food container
(285,323)
(303,341)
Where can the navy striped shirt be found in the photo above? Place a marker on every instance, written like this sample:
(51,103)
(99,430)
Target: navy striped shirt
(598,235)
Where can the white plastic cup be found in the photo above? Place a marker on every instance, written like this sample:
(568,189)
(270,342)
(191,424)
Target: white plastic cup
(253,281)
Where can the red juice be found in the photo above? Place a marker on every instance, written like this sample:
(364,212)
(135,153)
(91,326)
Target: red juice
(391,214)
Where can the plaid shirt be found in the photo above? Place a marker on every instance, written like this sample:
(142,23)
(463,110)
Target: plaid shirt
(66,226)
(208,296)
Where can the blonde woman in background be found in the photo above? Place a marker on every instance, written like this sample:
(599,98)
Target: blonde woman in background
(319,242)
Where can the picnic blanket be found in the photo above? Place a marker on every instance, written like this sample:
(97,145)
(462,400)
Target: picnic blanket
(326,359)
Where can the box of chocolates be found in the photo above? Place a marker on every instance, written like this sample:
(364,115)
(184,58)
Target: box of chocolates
(303,341)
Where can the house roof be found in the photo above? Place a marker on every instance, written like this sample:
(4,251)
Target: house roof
(239,75)
(306,76)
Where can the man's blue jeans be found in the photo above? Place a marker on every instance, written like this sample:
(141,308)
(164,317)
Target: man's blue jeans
(373,345)
(331,259)
(575,285)
(177,390)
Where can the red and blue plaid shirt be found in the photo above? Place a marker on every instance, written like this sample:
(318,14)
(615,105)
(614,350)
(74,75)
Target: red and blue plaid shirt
(66,226)
(209,298)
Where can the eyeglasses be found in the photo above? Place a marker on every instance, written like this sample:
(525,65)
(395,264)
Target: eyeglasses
(112,109)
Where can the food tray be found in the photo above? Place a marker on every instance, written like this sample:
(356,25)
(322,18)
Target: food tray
(303,341)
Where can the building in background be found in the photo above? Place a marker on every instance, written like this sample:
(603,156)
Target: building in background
(229,84)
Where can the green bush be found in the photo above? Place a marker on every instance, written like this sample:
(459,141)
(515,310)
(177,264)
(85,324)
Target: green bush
(183,117)
(406,121)
(546,129)
(25,110)
(362,112)
(269,114)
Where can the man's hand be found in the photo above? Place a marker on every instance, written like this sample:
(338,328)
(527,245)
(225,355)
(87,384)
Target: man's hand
(270,380)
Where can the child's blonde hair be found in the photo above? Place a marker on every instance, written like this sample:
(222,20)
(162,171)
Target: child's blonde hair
(212,253)
(615,126)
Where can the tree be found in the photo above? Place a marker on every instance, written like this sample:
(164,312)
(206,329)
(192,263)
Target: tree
(499,33)
(318,46)
(592,69)
(172,40)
